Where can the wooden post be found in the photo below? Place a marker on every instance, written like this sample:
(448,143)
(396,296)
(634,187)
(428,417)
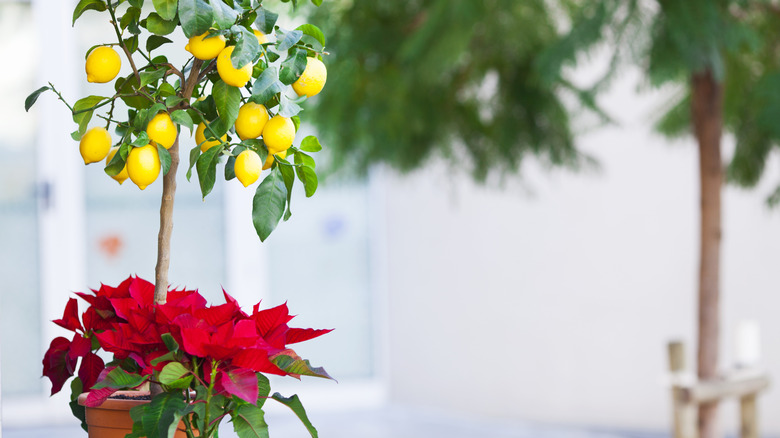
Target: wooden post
(684,412)
(748,416)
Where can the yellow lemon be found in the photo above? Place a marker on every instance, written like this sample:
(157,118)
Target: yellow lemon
(278,134)
(237,77)
(143,165)
(313,78)
(205,48)
(162,130)
(121,176)
(102,64)
(248,167)
(251,119)
(94,145)
(270,160)
(261,38)
(200,138)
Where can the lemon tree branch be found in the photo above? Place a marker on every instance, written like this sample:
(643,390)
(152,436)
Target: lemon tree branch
(59,96)
(121,42)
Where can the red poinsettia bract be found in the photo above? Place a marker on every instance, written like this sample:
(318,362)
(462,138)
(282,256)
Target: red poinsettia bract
(125,321)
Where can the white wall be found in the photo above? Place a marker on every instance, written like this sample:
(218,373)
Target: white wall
(553,299)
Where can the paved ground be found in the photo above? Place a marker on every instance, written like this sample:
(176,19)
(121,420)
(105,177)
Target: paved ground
(387,423)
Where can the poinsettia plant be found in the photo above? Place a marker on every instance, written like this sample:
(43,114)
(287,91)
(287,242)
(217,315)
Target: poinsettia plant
(211,361)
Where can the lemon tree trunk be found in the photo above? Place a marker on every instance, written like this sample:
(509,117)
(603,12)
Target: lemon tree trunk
(168,195)
(707,105)
(166,228)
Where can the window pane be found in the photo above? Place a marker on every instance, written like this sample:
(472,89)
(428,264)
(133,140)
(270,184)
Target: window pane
(319,264)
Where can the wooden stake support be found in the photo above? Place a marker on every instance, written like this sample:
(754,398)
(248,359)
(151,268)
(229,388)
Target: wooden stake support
(687,396)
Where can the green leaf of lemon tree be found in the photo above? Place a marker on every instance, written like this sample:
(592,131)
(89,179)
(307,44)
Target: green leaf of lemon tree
(305,160)
(247,48)
(150,77)
(288,175)
(196,17)
(127,86)
(85,5)
(266,86)
(166,8)
(295,404)
(159,26)
(249,422)
(159,418)
(293,67)
(166,90)
(207,168)
(155,41)
(266,20)
(317,2)
(131,43)
(116,164)
(132,15)
(82,112)
(194,155)
(288,107)
(142,140)
(309,179)
(268,204)
(228,101)
(297,122)
(30,101)
(165,159)
(314,32)
(310,144)
(120,379)
(224,15)
(288,39)
(180,117)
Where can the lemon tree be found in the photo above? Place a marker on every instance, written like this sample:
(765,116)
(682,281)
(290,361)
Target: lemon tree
(242,88)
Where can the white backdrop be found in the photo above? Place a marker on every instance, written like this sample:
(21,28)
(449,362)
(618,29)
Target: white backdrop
(553,298)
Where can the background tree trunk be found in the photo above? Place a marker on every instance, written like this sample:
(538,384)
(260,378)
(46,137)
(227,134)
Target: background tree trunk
(707,105)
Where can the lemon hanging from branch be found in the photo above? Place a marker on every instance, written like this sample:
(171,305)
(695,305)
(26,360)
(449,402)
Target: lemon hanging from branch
(251,120)
(143,165)
(94,145)
(237,77)
(248,167)
(103,65)
(278,134)
(313,78)
(162,130)
(205,48)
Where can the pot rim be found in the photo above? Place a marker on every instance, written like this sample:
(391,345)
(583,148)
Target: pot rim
(117,404)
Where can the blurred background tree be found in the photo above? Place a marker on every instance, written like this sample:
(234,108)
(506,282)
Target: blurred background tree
(486,84)
(427,78)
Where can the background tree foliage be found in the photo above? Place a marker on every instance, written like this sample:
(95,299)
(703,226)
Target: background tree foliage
(413,79)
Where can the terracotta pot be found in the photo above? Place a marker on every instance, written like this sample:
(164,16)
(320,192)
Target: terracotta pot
(112,418)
